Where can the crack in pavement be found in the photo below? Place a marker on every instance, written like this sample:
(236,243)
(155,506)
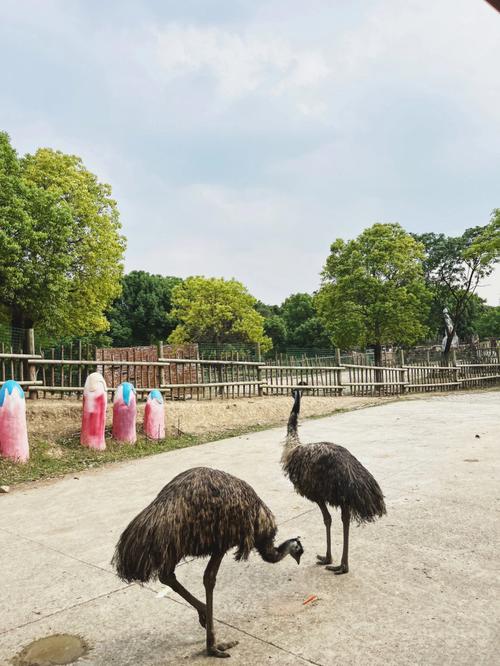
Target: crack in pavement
(239,629)
(62,610)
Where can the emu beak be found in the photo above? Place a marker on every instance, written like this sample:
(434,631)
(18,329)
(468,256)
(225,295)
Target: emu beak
(296,557)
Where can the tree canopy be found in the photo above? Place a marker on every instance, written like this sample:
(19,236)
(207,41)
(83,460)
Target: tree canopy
(304,327)
(216,310)
(60,244)
(488,322)
(454,266)
(373,290)
(142,314)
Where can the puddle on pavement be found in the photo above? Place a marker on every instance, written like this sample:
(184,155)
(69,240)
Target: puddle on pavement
(52,651)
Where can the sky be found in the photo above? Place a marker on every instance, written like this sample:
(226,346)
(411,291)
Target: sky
(242,137)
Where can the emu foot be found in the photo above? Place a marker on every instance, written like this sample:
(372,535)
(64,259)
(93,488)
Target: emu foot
(338,570)
(219,650)
(324,560)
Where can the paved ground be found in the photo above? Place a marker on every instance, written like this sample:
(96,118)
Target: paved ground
(423,586)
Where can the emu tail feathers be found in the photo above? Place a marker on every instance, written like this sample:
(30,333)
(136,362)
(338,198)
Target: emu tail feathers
(366,500)
(143,549)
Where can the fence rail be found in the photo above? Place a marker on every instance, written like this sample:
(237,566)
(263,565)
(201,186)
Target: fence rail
(202,379)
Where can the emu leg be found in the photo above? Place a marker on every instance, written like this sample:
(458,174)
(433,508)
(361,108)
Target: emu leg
(171,580)
(343,568)
(209,579)
(327,519)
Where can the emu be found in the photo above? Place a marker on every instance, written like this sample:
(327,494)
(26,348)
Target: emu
(327,473)
(200,512)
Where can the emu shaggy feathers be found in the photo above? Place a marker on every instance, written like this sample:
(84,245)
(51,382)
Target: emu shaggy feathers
(328,472)
(200,512)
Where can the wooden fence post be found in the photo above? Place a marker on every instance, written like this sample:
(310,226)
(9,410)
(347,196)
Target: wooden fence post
(160,378)
(455,368)
(30,370)
(402,374)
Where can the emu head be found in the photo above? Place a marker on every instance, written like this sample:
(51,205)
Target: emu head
(298,390)
(294,548)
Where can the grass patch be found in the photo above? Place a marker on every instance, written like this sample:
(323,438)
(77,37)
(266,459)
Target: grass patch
(51,460)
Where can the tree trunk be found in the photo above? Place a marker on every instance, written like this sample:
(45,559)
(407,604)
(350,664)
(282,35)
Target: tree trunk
(378,362)
(447,347)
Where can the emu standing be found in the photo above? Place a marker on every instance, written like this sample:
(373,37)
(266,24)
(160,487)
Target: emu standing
(327,473)
(200,512)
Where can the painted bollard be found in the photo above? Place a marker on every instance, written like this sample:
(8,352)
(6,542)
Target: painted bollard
(124,413)
(95,399)
(154,416)
(13,429)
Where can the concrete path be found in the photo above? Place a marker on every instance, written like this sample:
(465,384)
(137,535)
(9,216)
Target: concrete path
(423,586)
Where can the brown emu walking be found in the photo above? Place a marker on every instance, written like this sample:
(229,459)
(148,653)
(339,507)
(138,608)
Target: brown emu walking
(326,473)
(200,512)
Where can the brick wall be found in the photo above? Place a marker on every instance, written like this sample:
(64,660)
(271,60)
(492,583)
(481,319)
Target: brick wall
(148,376)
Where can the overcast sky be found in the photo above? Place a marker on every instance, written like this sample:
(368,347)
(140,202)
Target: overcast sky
(241,137)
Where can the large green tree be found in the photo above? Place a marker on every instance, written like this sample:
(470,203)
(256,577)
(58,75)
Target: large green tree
(60,245)
(454,267)
(373,290)
(216,310)
(142,314)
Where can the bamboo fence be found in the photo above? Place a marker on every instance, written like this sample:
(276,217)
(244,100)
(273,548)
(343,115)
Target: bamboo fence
(203,379)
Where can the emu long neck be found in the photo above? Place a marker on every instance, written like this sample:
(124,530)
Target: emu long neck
(292,435)
(270,553)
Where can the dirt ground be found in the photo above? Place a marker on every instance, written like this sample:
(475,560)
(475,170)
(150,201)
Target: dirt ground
(53,419)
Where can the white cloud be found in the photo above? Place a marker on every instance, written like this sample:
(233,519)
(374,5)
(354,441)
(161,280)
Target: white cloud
(254,235)
(240,63)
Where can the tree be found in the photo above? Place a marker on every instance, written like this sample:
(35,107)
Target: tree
(454,266)
(466,325)
(266,310)
(275,328)
(31,257)
(373,290)
(304,327)
(216,310)
(488,322)
(60,247)
(142,314)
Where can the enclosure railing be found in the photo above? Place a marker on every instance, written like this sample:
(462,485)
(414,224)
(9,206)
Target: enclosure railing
(320,380)
(202,379)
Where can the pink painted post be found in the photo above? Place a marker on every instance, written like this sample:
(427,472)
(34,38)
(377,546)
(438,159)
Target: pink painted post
(13,429)
(95,399)
(154,416)
(124,414)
